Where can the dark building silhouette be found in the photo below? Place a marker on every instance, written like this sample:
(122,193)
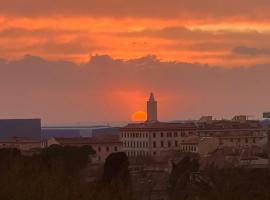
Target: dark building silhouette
(78,131)
(23,128)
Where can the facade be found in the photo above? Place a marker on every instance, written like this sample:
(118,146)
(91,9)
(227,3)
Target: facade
(153,139)
(103,146)
(238,132)
(22,144)
(200,145)
(151,109)
(266,115)
(268,146)
(22,128)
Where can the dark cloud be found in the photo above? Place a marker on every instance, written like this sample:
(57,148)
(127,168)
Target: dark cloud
(207,9)
(184,33)
(23,32)
(67,92)
(251,51)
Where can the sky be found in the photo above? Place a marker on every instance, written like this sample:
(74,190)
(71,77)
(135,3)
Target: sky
(69,61)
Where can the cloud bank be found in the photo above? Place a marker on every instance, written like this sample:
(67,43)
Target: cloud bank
(107,89)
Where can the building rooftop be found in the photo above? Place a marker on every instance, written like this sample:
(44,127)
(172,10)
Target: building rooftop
(159,125)
(20,140)
(87,141)
(195,140)
(229,124)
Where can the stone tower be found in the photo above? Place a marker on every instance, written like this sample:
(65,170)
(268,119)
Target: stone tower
(151,109)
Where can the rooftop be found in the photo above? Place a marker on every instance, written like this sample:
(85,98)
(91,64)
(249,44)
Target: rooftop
(159,125)
(229,124)
(87,141)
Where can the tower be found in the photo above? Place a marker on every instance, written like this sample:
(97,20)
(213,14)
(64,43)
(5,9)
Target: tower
(151,109)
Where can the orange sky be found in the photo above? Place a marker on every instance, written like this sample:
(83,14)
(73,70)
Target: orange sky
(173,30)
(98,60)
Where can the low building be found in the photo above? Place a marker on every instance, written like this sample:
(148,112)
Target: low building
(238,132)
(21,128)
(103,146)
(152,139)
(22,144)
(202,146)
(78,131)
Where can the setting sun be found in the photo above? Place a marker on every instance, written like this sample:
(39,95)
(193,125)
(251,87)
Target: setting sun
(139,116)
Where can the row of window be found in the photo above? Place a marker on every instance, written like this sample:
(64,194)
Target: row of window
(161,134)
(239,140)
(136,144)
(138,153)
(107,149)
(168,144)
(189,148)
(144,144)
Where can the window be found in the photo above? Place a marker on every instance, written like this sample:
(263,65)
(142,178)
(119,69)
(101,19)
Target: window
(246,140)
(175,134)
(220,142)
(254,140)
(169,144)
(161,134)
(154,134)
(162,144)
(154,144)
(176,143)
(115,148)
(107,149)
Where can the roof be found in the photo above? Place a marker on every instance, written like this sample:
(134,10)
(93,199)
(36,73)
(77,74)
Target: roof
(19,140)
(229,124)
(195,140)
(159,125)
(87,141)
(191,140)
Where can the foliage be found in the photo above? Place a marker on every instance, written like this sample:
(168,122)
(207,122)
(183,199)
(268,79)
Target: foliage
(186,182)
(55,174)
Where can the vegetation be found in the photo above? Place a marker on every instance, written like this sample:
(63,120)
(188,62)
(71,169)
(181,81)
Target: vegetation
(55,174)
(188,183)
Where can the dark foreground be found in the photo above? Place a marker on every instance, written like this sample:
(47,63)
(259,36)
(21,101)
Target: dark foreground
(56,174)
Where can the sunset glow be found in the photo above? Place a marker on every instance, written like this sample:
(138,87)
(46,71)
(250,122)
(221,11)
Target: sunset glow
(178,31)
(97,60)
(139,116)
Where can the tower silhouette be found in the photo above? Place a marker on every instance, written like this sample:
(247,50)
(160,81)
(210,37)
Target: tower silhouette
(151,109)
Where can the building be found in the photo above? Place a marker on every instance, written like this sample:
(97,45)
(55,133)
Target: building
(152,139)
(77,131)
(151,109)
(22,128)
(266,115)
(103,146)
(238,132)
(268,146)
(22,144)
(200,145)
